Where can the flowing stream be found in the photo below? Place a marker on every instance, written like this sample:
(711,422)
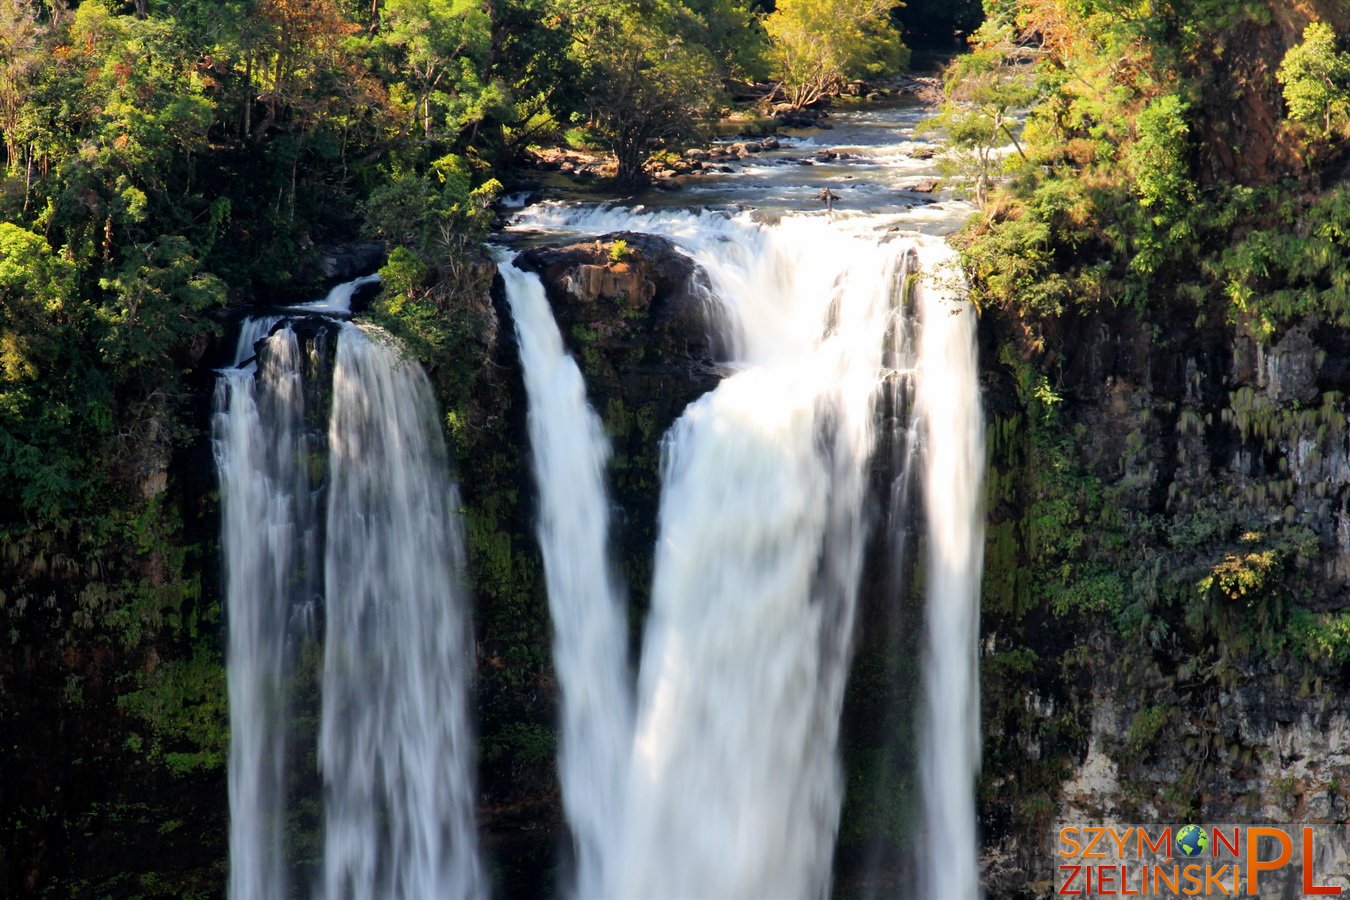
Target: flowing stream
(264,485)
(394,744)
(953,486)
(586,601)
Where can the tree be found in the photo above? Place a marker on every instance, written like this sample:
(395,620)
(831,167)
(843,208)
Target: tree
(1316,79)
(441,49)
(646,86)
(1158,161)
(19,59)
(818,46)
(297,64)
(981,90)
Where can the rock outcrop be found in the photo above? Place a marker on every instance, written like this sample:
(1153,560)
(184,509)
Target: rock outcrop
(1199,505)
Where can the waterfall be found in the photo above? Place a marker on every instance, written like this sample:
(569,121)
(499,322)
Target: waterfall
(735,781)
(734,784)
(953,424)
(586,603)
(395,744)
(259,445)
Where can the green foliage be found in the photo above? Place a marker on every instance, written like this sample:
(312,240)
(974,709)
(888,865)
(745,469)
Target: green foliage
(618,251)
(1315,75)
(981,90)
(1294,267)
(1016,261)
(156,305)
(440,49)
(1321,637)
(818,46)
(646,84)
(1158,162)
(183,702)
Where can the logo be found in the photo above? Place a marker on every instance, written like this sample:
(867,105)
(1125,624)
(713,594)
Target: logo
(1191,860)
(1191,841)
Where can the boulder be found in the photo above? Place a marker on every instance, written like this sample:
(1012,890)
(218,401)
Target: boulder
(922,186)
(343,262)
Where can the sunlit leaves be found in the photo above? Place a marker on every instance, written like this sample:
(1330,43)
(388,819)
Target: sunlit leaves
(1316,79)
(816,46)
(645,85)
(1158,161)
(983,90)
(440,49)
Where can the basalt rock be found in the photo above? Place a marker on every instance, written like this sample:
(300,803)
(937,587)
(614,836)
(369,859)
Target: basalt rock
(638,318)
(635,299)
(1218,455)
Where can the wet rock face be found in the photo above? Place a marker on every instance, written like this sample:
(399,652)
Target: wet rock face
(1291,367)
(639,318)
(1229,452)
(347,261)
(638,305)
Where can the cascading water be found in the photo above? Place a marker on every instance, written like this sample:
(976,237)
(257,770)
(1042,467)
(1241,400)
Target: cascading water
(953,423)
(260,454)
(587,604)
(717,772)
(395,744)
(734,786)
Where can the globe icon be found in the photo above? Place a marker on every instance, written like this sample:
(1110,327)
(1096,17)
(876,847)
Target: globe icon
(1191,841)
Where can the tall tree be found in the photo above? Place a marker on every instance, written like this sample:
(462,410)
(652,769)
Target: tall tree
(20,57)
(440,50)
(646,85)
(817,46)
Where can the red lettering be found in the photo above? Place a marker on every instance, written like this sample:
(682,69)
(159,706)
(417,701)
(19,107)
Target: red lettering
(1064,888)
(1308,858)
(1234,848)
(1125,881)
(1106,880)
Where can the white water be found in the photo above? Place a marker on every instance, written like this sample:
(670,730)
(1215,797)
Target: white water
(339,299)
(259,448)
(395,746)
(590,651)
(735,785)
(396,749)
(949,405)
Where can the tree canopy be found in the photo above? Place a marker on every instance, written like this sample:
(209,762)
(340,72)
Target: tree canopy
(819,45)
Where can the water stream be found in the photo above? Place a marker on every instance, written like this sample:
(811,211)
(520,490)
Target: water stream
(395,744)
